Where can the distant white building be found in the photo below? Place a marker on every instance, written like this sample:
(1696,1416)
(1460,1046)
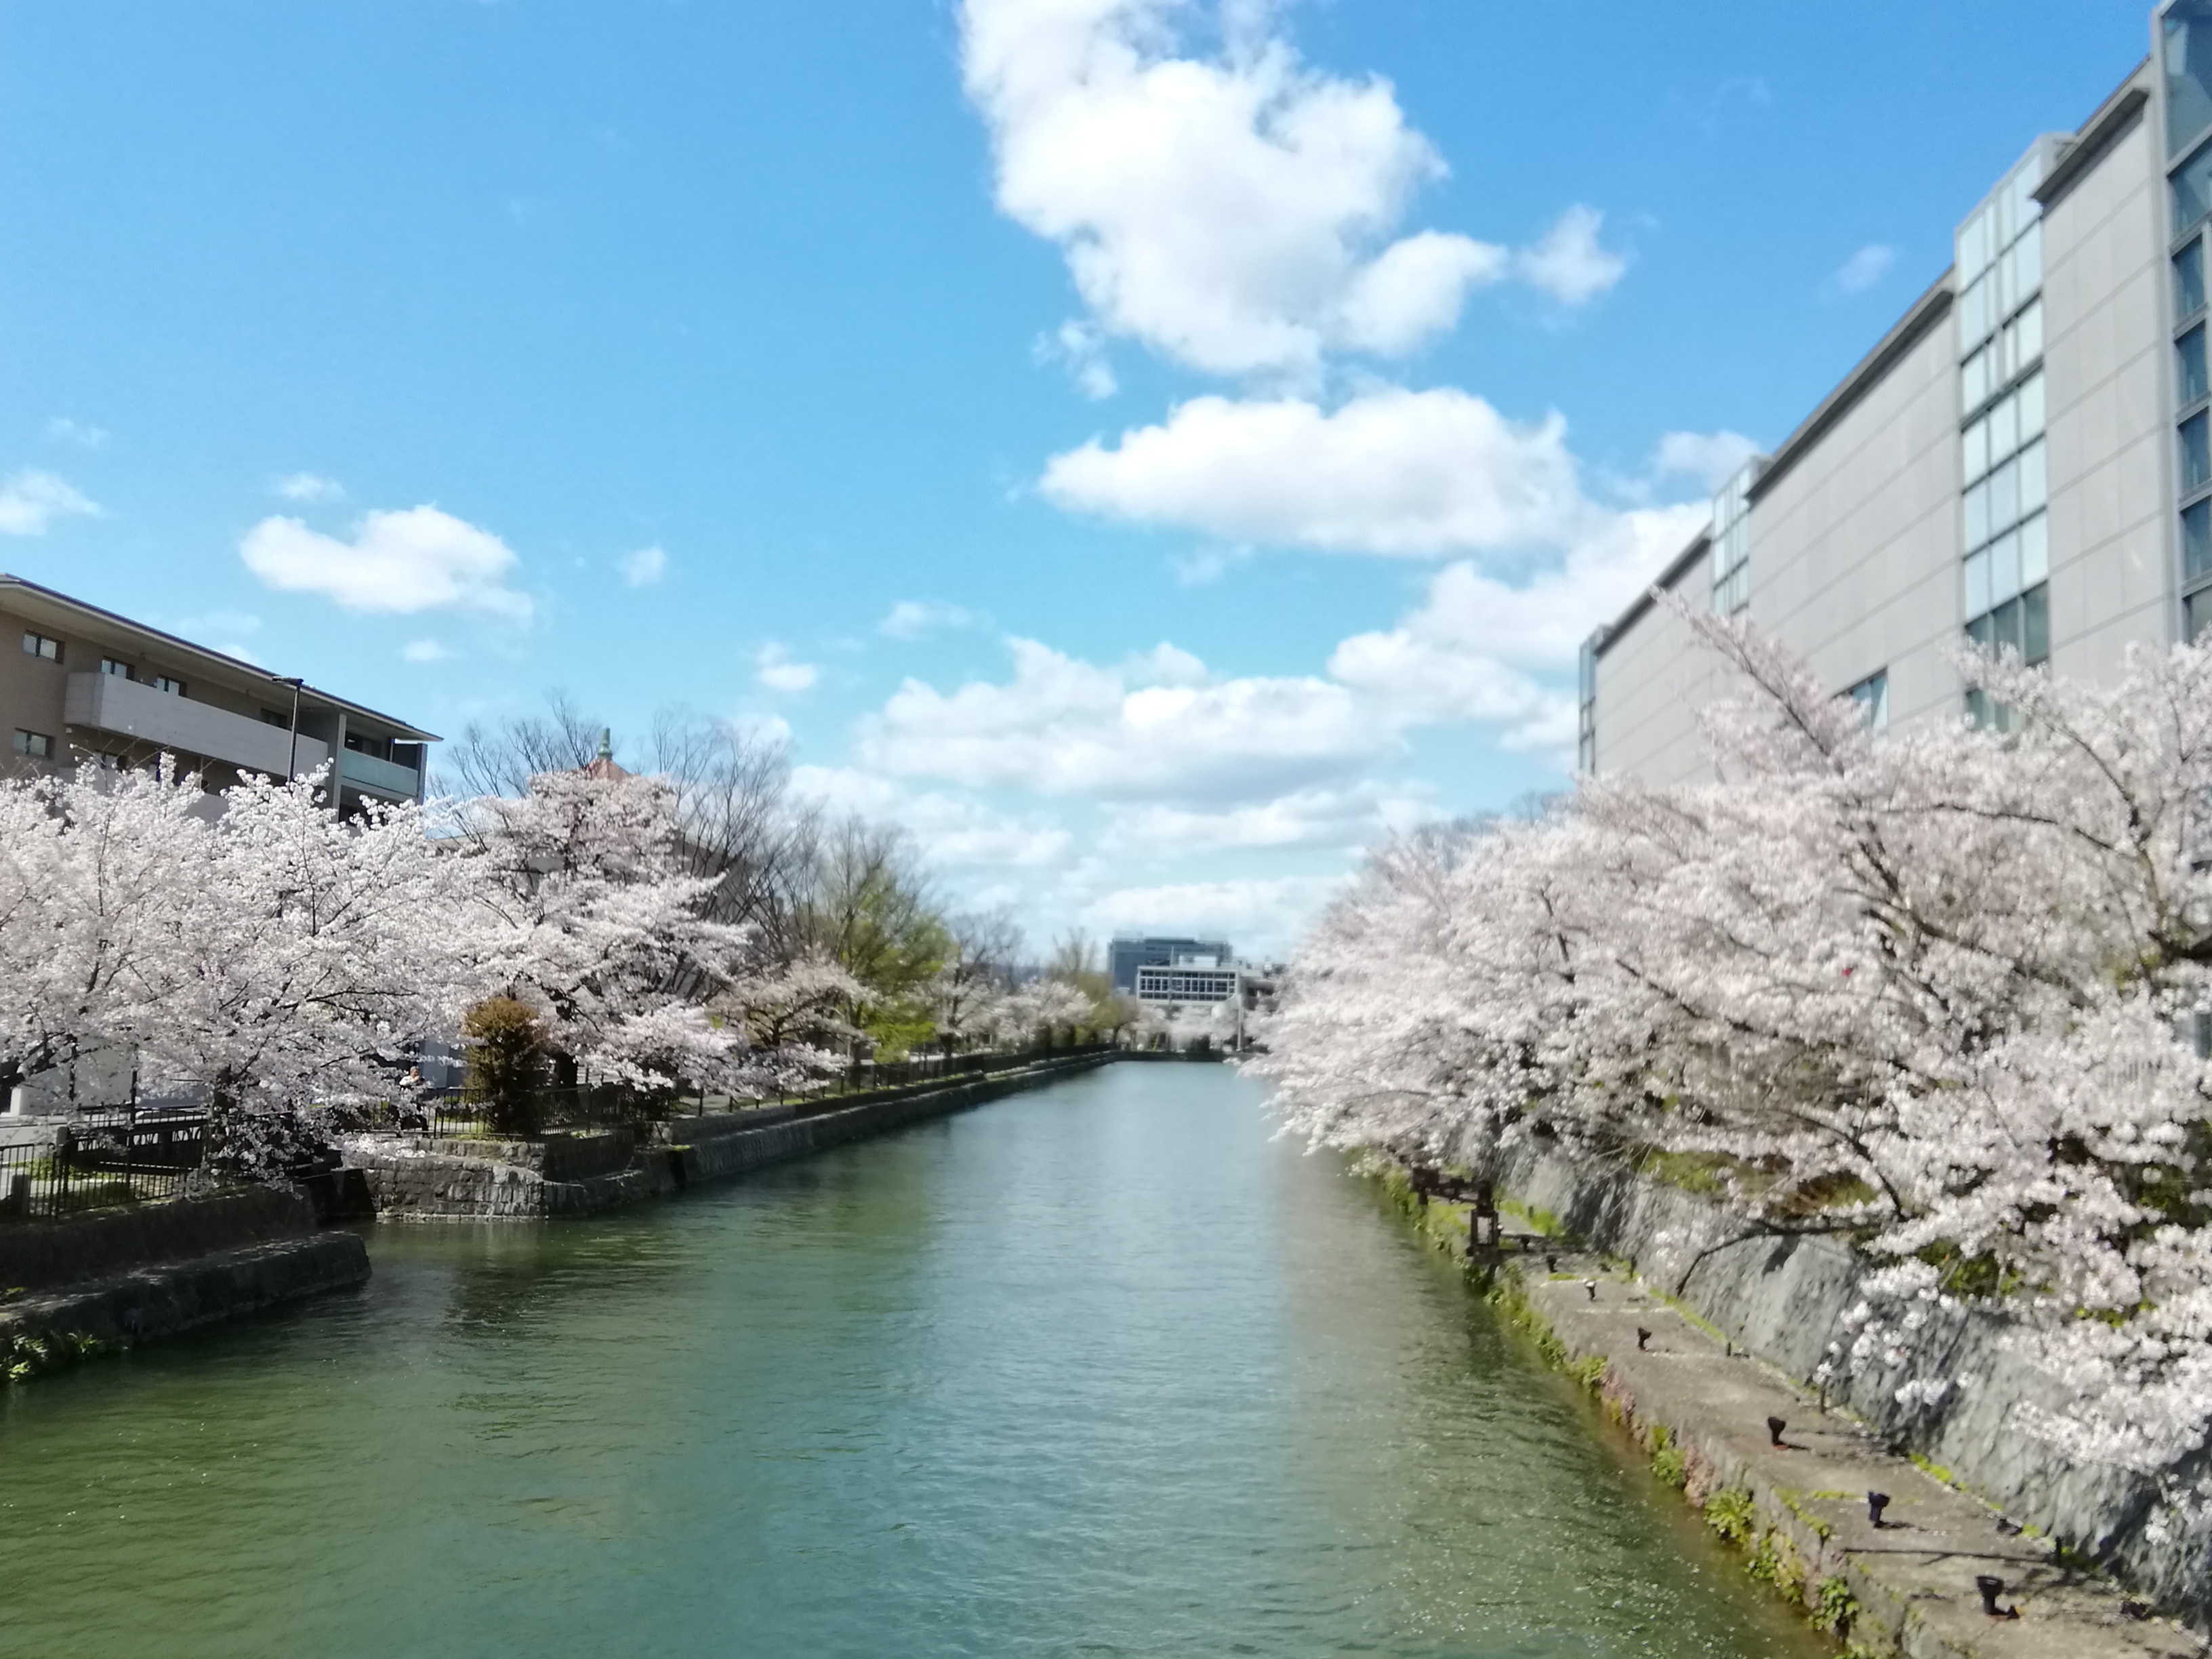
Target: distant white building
(1189,979)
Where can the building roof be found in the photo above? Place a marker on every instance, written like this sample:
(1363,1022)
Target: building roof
(40,602)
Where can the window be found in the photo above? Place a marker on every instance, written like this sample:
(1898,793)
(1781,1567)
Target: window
(163,682)
(2188,365)
(37,745)
(2192,191)
(274,717)
(2185,54)
(38,645)
(121,670)
(2196,541)
(1872,695)
(2189,280)
(2196,453)
(1731,540)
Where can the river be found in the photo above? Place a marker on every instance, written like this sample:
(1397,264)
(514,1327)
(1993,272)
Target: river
(1098,1370)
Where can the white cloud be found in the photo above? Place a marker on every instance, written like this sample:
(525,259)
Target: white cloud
(1082,348)
(1865,268)
(32,499)
(953,831)
(774,669)
(1393,472)
(1235,213)
(1354,817)
(308,487)
(1480,649)
(1263,916)
(1568,264)
(643,566)
(419,559)
(219,622)
(1711,458)
(425,651)
(910,619)
(1151,729)
(62,430)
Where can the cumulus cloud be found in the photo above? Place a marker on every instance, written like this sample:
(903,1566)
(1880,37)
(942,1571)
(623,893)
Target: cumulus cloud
(953,831)
(32,499)
(308,487)
(1711,457)
(1154,728)
(1235,213)
(1568,264)
(774,668)
(62,430)
(911,619)
(1865,268)
(643,566)
(1082,349)
(418,559)
(1410,473)
(1261,916)
(1356,816)
(1479,649)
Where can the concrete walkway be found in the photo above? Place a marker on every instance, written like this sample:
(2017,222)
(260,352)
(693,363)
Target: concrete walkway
(1911,1581)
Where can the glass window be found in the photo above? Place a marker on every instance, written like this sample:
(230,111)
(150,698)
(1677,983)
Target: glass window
(122,671)
(2188,356)
(2197,610)
(1977,583)
(2189,280)
(2004,497)
(1974,381)
(1974,247)
(2004,566)
(2192,189)
(1974,452)
(2031,408)
(2035,550)
(2004,429)
(2032,490)
(1978,515)
(2196,457)
(2196,541)
(40,645)
(2035,623)
(1872,695)
(2004,627)
(2008,274)
(2023,339)
(2185,61)
(35,745)
(2027,258)
(163,682)
(1977,315)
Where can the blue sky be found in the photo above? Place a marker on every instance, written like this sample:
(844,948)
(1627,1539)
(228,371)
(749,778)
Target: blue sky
(1152,449)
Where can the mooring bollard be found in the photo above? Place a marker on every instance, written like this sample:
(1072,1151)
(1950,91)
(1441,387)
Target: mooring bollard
(1876,1503)
(1774,1427)
(1992,1587)
(1642,1337)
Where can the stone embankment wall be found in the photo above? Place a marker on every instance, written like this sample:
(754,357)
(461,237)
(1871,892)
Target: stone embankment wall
(417,1178)
(74,1287)
(1786,1300)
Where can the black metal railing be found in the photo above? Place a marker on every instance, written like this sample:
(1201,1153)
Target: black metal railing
(98,1160)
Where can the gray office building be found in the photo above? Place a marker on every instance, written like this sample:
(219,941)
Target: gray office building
(1126,955)
(2025,458)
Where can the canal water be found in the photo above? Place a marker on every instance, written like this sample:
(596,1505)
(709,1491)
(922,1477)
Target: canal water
(1098,1370)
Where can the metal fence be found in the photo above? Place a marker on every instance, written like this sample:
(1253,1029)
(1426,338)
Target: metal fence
(97,1160)
(453,1113)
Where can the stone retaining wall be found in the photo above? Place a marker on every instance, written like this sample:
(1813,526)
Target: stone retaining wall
(1786,1299)
(414,1178)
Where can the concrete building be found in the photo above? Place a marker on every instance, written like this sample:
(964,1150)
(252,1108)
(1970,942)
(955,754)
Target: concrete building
(87,683)
(1127,954)
(2025,458)
(1198,979)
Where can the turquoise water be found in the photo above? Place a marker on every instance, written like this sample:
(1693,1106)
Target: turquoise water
(1098,1370)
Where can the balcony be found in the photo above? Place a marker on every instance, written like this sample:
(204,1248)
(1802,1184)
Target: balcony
(160,720)
(381,777)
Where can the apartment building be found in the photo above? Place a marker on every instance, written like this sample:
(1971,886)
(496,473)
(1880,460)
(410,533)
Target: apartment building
(1128,954)
(87,683)
(2024,460)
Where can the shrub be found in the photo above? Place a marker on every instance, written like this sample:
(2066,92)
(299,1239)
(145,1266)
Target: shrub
(507,1063)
